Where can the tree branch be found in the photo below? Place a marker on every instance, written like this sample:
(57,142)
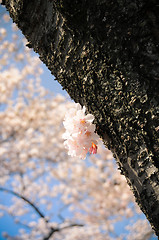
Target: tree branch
(26,200)
(53,230)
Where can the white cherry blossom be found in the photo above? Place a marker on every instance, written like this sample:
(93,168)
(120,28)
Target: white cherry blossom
(80,132)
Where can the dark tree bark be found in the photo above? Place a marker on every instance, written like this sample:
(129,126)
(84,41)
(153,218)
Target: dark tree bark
(105,53)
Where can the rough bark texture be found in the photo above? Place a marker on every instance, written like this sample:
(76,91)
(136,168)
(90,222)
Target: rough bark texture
(105,53)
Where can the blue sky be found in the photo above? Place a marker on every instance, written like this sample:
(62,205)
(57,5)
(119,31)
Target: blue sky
(7,223)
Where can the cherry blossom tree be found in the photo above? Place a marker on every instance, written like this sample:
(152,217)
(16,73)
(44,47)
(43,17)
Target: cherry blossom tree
(54,196)
(105,54)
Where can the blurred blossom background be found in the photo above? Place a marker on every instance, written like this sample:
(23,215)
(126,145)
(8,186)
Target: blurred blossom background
(44,193)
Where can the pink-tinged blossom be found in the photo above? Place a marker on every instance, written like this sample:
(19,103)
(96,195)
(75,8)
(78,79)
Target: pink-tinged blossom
(93,148)
(80,132)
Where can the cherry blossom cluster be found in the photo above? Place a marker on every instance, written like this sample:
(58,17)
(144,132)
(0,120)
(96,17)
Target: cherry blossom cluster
(80,132)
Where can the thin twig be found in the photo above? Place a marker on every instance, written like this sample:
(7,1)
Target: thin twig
(26,200)
(53,230)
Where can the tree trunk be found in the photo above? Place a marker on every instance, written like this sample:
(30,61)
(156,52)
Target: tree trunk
(105,53)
